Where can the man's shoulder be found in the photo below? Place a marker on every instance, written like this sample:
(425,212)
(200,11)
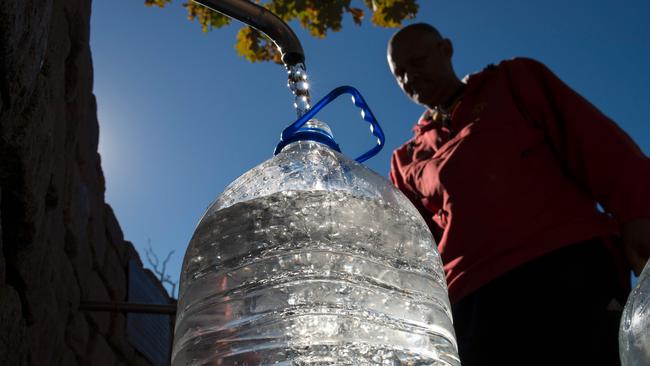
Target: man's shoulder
(517,68)
(515,63)
(520,65)
(522,60)
(513,66)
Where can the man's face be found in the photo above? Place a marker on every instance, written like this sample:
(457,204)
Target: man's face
(420,67)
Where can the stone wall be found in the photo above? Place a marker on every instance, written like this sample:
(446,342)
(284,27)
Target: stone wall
(60,243)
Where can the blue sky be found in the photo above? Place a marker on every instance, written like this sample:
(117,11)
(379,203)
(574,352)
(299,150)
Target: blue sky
(181,115)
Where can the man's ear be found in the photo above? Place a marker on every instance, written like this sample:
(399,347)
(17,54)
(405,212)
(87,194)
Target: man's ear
(447,48)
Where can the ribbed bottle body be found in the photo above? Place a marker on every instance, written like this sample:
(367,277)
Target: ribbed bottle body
(323,272)
(634,334)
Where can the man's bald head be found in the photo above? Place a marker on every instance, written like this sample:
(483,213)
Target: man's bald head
(412,32)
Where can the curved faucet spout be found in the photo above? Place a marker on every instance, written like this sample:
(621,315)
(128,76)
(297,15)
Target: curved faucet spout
(264,21)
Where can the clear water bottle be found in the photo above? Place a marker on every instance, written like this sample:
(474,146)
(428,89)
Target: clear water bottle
(311,258)
(634,335)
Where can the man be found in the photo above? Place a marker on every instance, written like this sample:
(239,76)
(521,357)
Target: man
(508,169)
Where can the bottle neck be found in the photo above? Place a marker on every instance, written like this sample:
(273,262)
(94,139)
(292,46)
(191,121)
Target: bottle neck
(313,130)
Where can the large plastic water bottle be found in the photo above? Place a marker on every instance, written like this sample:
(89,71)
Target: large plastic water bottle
(310,258)
(634,334)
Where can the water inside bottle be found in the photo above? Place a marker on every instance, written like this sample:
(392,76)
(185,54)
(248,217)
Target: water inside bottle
(313,278)
(634,337)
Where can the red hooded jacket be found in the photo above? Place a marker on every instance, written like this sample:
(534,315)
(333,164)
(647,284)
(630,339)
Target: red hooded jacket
(518,172)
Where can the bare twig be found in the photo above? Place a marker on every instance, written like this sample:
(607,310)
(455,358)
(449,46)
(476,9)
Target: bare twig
(154,262)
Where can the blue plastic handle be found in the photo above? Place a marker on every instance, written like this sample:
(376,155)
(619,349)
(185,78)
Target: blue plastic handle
(366,114)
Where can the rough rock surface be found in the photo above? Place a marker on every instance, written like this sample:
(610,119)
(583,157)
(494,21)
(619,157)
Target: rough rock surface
(60,243)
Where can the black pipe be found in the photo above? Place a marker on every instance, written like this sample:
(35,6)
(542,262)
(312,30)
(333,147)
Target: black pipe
(127,307)
(264,21)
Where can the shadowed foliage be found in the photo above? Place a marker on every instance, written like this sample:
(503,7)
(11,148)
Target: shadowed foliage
(317,16)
